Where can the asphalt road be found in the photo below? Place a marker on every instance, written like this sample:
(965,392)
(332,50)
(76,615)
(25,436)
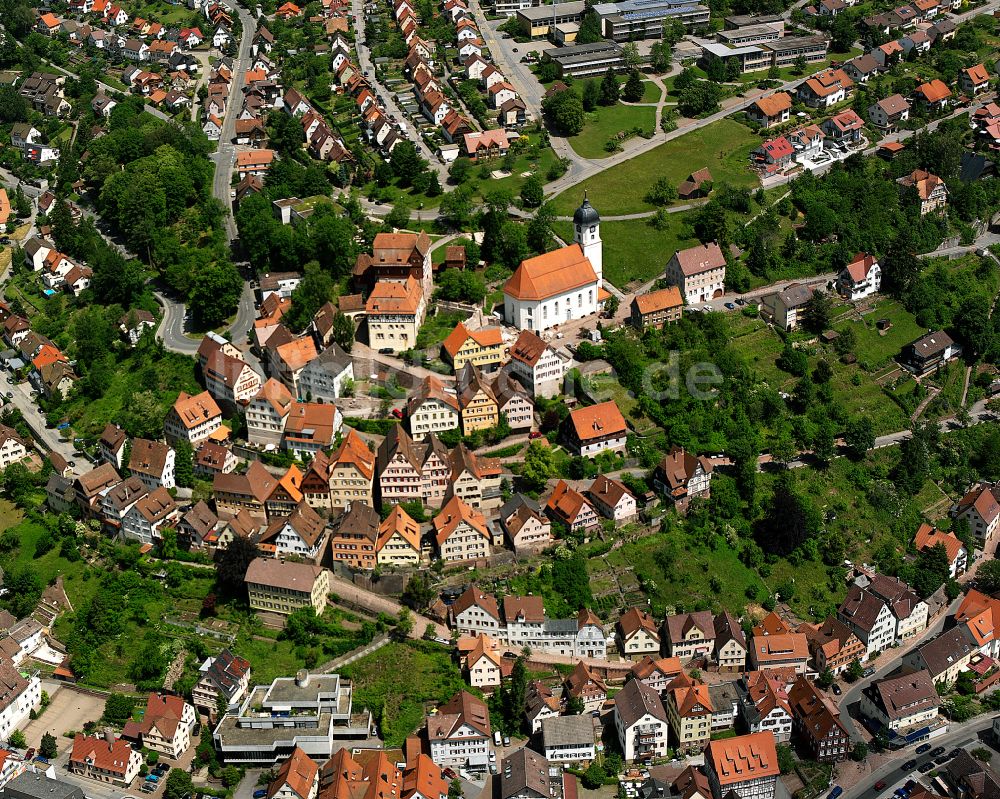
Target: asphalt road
(47,437)
(389,104)
(961,735)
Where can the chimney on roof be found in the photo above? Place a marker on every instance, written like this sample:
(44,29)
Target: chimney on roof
(302,678)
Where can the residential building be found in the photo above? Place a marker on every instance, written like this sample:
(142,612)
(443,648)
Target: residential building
(593,429)
(945,655)
(690,635)
(782,650)
(560,285)
(166,726)
(931,191)
(279,586)
(484,665)
(311,711)
(394,312)
(786,308)
(432,409)
(105,761)
(772,110)
(826,88)
(657,673)
(286,361)
(537,365)
(612,499)
(816,722)
(689,710)
(17,783)
(568,739)
(12,447)
(974,80)
(513,402)
(641,722)
(889,112)
(584,684)
(267,413)
(656,308)
(637,634)
(699,272)
(881,611)
(352,472)
(422,779)
(231,381)
(730,643)
(902,703)
(194,419)
(20,688)
(928,537)
(477,613)
(152,462)
(929,352)
(540,705)
(223,678)
(980,507)
(682,477)
(474,479)
(746,766)
(354,537)
(298,778)
(324,378)
(569,507)
(412,472)
(764,704)
(461,532)
(398,540)
(526,528)
(311,427)
(483,348)
(933,95)
(527,775)
(301,534)
(146,518)
(861,278)
(477,402)
(833,645)
(459,734)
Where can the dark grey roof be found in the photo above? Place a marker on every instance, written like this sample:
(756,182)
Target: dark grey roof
(34,785)
(516,502)
(637,699)
(586,214)
(568,731)
(525,773)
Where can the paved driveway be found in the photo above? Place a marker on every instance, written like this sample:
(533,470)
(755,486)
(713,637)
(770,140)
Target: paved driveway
(67,711)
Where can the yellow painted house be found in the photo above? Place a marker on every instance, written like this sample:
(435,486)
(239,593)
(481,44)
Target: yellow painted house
(478,405)
(482,348)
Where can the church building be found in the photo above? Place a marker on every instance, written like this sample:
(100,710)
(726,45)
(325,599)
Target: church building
(561,285)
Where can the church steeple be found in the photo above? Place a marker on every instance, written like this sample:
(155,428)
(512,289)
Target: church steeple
(587,233)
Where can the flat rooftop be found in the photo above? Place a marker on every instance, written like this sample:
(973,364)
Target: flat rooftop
(720,50)
(544,13)
(794,42)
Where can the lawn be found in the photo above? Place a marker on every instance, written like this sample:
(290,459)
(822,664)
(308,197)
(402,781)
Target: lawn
(436,328)
(608,121)
(874,348)
(634,251)
(724,147)
(651,93)
(399,682)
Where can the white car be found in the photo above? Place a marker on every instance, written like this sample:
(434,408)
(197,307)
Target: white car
(706,308)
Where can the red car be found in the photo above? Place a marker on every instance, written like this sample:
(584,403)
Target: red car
(397,413)
(879,785)
(535,434)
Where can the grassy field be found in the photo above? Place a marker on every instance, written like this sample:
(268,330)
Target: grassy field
(399,682)
(875,348)
(634,251)
(724,147)
(608,121)
(651,92)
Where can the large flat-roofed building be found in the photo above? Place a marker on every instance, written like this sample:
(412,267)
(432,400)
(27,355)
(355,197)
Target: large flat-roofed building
(310,711)
(752,34)
(745,20)
(629,20)
(587,60)
(538,20)
(510,7)
(764,53)
(751,58)
(786,49)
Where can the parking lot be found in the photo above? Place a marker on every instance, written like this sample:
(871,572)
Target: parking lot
(68,710)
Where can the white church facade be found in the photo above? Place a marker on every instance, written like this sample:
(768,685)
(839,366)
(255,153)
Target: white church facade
(561,285)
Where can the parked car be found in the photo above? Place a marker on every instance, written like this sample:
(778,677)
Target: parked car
(836,689)
(926,767)
(535,434)
(954,752)
(731,306)
(923,748)
(397,413)
(385,351)
(909,764)
(868,672)
(879,785)
(259,794)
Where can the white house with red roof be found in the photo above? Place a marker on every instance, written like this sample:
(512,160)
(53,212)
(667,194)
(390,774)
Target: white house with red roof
(773,155)
(928,537)
(113,762)
(861,278)
(166,725)
(980,507)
